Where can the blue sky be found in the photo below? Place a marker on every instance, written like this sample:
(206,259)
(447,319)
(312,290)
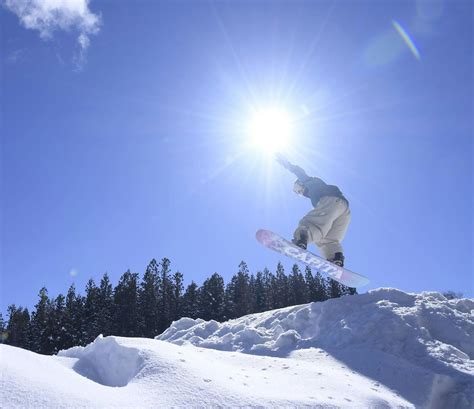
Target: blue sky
(122,137)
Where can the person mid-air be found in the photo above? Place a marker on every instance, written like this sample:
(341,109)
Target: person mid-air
(327,223)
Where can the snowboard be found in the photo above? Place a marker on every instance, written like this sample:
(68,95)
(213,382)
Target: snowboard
(281,245)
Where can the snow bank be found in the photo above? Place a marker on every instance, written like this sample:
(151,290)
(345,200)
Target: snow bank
(412,326)
(30,380)
(182,377)
(383,349)
(421,345)
(105,361)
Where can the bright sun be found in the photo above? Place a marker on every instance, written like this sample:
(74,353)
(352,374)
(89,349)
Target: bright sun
(270,129)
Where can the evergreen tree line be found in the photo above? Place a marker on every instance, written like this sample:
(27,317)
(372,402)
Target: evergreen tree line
(146,307)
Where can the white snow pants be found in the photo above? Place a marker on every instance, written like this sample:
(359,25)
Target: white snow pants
(326,225)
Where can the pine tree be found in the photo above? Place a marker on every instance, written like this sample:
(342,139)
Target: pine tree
(3,329)
(298,293)
(40,338)
(165,296)
(212,298)
(229,309)
(148,300)
(252,304)
(281,287)
(126,313)
(238,301)
(74,322)
(316,286)
(177,299)
(452,295)
(345,290)
(259,293)
(269,284)
(333,288)
(105,306)
(191,301)
(310,284)
(16,332)
(91,312)
(57,324)
(321,290)
(148,309)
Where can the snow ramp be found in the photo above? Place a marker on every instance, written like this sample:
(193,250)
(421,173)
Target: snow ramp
(421,345)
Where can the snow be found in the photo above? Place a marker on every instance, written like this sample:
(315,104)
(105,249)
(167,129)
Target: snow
(422,328)
(382,349)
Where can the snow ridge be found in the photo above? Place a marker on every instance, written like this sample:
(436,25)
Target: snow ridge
(412,326)
(415,336)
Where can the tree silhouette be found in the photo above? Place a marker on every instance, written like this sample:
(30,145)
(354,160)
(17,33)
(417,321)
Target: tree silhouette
(147,307)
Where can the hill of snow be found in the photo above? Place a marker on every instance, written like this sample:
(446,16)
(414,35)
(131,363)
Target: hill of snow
(383,349)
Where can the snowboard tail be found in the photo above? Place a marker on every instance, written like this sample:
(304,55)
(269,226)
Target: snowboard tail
(283,246)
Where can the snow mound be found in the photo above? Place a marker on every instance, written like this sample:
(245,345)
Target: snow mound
(383,349)
(411,326)
(175,376)
(421,345)
(105,361)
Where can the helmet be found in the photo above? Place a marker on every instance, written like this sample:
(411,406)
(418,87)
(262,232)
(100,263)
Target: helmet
(299,188)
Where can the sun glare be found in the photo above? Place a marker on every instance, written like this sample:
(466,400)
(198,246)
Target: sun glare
(270,129)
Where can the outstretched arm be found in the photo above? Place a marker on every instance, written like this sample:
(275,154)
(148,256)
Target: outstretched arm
(296,170)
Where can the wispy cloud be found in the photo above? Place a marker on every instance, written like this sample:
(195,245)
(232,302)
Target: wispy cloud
(48,16)
(14,56)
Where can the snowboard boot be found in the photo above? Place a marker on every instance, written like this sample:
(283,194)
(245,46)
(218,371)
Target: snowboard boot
(301,239)
(338,259)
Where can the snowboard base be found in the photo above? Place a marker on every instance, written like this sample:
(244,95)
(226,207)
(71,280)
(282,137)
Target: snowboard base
(283,246)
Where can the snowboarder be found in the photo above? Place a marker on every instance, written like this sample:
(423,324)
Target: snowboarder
(327,223)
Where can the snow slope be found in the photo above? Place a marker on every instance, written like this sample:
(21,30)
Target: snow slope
(421,345)
(383,349)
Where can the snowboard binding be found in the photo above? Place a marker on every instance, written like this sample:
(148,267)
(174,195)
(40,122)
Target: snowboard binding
(301,239)
(338,259)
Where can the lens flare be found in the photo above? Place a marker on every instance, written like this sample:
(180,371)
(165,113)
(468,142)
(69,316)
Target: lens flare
(407,39)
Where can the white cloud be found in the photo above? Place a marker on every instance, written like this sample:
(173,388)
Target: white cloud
(48,16)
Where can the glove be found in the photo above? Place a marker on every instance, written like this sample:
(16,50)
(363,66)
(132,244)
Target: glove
(295,169)
(283,161)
